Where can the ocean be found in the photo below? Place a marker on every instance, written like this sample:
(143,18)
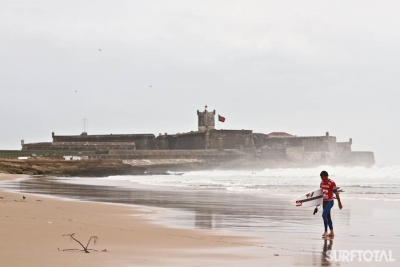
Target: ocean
(376,183)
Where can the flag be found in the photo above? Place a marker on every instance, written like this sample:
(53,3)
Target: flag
(220,118)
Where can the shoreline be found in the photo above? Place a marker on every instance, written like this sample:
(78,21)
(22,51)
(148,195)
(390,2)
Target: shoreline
(32,230)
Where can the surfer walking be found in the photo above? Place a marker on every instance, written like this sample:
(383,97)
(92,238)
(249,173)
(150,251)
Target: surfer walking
(329,188)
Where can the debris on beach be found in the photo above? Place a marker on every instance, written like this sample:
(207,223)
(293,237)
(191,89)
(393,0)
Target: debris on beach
(85,249)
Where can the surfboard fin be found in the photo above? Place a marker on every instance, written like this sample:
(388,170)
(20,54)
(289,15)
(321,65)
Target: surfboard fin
(315,210)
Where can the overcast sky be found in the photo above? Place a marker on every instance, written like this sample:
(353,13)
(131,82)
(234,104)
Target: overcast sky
(302,67)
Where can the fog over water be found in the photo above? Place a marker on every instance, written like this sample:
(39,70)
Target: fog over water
(303,67)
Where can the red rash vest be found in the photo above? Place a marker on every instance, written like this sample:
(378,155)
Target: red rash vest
(328,188)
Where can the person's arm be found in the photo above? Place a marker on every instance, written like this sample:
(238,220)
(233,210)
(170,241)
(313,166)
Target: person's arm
(338,199)
(337,195)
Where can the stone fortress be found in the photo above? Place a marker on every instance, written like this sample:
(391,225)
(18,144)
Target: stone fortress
(240,147)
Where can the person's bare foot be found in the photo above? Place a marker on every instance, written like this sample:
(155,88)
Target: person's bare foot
(325,234)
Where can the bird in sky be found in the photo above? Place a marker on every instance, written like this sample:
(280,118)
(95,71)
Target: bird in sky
(76,91)
(100,50)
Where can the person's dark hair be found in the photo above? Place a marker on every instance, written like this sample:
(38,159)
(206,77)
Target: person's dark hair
(324,173)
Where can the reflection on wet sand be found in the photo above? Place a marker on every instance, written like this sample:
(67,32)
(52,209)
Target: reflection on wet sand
(328,242)
(204,219)
(211,209)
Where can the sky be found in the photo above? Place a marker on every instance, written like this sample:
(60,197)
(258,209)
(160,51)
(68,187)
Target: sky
(301,67)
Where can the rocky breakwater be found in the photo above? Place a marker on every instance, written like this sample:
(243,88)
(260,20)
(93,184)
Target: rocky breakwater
(91,168)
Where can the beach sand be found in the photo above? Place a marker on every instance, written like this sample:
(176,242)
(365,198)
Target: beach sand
(32,229)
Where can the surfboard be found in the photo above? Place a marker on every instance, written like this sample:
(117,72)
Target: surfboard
(310,199)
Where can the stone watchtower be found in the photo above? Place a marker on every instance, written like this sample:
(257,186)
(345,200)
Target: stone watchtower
(206,120)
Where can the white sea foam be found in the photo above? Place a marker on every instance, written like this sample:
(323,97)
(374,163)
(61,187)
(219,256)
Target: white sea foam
(378,182)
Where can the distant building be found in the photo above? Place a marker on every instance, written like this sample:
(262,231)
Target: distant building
(279,134)
(210,142)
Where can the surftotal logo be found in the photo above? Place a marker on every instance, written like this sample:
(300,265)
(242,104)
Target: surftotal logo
(359,255)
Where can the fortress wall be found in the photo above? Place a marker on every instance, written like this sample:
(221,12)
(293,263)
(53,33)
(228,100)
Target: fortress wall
(174,152)
(273,156)
(310,144)
(319,144)
(357,158)
(231,139)
(212,139)
(344,146)
(295,153)
(168,155)
(166,142)
(279,143)
(298,157)
(142,141)
(78,146)
(258,139)
(319,158)
(37,146)
(219,157)
(195,140)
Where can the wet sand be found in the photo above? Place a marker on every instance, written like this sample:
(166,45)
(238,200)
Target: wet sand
(209,228)
(32,229)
